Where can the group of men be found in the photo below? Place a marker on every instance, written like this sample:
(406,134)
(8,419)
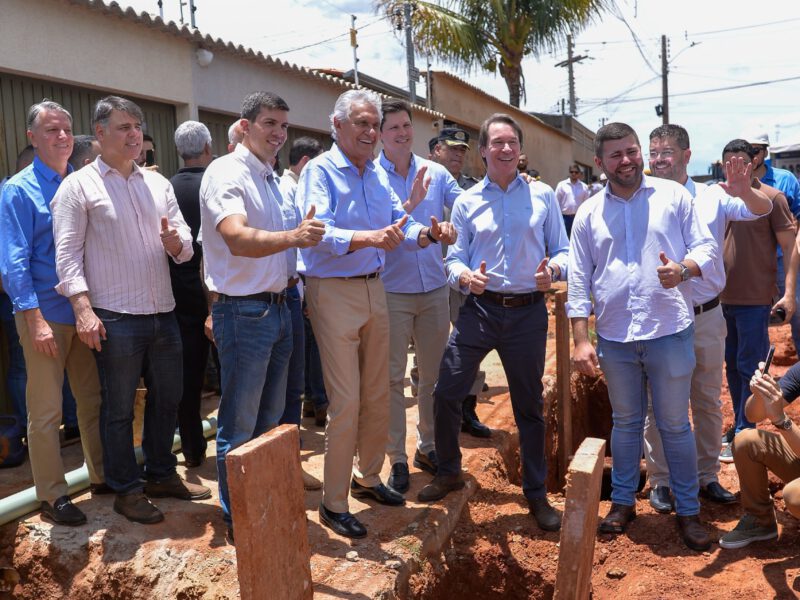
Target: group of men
(103,267)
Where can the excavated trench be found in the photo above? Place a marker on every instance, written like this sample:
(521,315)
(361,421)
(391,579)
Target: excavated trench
(496,550)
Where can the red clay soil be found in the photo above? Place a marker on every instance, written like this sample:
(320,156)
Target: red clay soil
(497,550)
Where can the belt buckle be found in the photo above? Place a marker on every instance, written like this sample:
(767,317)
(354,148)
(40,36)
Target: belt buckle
(507,302)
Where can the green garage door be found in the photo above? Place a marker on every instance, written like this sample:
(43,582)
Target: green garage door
(17,94)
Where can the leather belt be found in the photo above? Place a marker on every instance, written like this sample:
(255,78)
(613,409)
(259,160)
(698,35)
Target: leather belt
(707,306)
(512,300)
(374,275)
(268,297)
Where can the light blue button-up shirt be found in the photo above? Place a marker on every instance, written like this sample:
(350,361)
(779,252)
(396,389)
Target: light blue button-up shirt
(407,271)
(511,230)
(614,254)
(346,202)
(27,251)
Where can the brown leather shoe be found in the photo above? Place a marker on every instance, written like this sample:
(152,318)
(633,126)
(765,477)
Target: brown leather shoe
(617,518)
(439,487)
(309,481)
(136,507)
(693,533)
(175,487)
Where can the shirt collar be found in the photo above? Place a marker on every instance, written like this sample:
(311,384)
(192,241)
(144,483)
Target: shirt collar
(291,175)
(645,184)
(104,168)
(488,183)
(689,185)
(340,161)
(389,165)
(47,172)
(251,160)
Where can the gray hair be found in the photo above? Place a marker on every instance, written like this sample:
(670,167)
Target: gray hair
(191,139)
(38,108)
(105,106)
(345,102)
(232,137)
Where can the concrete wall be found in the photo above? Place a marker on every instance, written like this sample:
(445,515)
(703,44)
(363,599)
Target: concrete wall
(548,150)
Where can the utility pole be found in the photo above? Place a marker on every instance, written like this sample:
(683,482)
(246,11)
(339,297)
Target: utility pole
(664,82)
(354,44)
(413,72)
(192,9)
(161,9)
(571,59)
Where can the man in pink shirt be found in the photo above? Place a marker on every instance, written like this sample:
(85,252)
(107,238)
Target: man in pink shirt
(115,227)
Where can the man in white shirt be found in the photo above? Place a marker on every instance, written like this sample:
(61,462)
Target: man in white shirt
(115,227)
(244,254)
(570,194)
(632,249)
(716,206)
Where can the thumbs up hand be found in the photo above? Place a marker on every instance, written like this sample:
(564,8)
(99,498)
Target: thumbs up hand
(543,276)
(669,273)
(310,231)
(478,279)
(170,239)
(443,232)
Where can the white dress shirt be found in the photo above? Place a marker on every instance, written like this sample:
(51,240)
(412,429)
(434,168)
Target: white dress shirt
(107,233)
(240,184)
(571,195)
(614,256)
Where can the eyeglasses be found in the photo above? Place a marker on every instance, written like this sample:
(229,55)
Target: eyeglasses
(574,172)
(662,154)
(759,149)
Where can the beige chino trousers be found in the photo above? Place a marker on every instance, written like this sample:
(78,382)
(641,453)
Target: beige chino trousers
(43,397)
(351,324)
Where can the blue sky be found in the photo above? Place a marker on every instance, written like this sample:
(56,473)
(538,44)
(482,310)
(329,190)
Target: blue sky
(713,44)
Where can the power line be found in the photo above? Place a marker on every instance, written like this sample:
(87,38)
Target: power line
(334,38)
(720,89)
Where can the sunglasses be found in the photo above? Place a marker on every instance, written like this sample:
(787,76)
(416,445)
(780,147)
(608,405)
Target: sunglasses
(574,172)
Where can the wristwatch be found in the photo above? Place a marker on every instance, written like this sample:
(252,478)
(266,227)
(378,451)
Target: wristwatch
(432,239)
(785,423)
(685,273)
(552,273)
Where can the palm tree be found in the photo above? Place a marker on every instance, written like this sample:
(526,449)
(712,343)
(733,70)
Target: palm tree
(492,34)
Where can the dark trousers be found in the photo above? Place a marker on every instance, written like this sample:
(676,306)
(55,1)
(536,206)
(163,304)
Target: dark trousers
(295,382)
(568,220)
(195,355)
(519,335)
(314,384)
(136,345)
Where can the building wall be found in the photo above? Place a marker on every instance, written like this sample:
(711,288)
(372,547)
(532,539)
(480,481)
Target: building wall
(549,150)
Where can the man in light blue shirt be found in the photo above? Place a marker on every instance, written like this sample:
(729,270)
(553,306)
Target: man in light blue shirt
(506,230)
(44,319)
(363,220)
(416,292)
(624,252)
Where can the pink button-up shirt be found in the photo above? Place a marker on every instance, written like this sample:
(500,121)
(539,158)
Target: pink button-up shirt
(107,233)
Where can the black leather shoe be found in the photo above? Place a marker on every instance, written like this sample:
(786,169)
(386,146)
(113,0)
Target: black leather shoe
(380,493)
(398,479)
(661,499)
(63,512)
(617,518)
(693,533)
(716,493)
(342,523)
(439,487)
(547,517)
(426,462)
(193,462)
(469,419)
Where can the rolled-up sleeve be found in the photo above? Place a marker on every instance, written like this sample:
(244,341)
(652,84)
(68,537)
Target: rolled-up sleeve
(70,220)
(16,233)
(581,268)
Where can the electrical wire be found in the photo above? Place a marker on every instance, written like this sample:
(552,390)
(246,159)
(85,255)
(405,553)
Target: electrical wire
(334,38)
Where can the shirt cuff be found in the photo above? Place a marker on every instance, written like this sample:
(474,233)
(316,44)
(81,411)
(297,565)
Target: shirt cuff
(579,309)
(185,254)
(26,302)
(341,240)
(72,287)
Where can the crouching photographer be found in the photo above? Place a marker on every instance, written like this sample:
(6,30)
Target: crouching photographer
(756,451)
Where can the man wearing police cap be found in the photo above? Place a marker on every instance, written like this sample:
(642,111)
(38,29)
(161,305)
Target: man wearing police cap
(450,151)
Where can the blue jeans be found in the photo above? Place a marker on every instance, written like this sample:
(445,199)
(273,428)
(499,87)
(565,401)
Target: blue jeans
(254,339)
(137,345)
(295,382)
(795,320)
(747,343)
(664,364)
